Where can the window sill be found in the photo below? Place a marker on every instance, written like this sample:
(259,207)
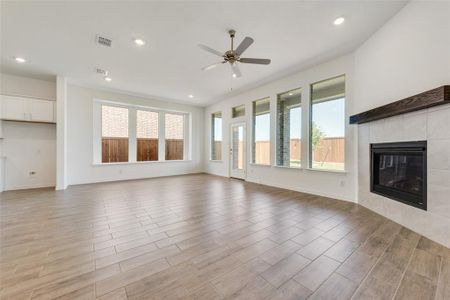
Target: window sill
(327,171)
(290,168)
(259,165)
(216,161)
(138,162)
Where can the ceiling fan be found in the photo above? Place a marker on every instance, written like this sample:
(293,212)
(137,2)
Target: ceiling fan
(233,56)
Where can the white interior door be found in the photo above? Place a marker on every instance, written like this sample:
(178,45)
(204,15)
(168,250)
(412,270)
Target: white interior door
(238,151)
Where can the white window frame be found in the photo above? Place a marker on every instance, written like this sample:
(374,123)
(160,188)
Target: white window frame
(253,132)
(159,131)
(186,135)
(211,136)
(132,130)
(302,125)
(309,126)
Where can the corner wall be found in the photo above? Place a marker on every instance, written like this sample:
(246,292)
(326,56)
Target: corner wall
(408,55)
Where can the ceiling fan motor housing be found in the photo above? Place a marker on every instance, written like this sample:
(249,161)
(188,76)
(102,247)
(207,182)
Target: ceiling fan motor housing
(231,56)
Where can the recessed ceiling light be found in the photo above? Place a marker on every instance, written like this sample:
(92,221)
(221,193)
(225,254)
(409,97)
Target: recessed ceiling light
(234,75)
(107,78)
(339,21)
(20,59)
(139,42)
(191,96)
(290,94)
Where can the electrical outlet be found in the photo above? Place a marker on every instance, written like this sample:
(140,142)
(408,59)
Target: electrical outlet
(342,183)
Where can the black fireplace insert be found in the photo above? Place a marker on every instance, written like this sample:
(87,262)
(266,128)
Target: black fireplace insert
(399,171)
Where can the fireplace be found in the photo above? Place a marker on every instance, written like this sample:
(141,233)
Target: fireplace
(399,171)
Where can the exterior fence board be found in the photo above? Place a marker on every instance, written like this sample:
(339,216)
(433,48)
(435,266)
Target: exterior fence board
(114,150)
(147,149)
(328,150)
(174,149)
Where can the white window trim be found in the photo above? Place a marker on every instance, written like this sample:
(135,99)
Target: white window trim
(253,134)
(211,138)
(132,129)
(277,141)
(308,113)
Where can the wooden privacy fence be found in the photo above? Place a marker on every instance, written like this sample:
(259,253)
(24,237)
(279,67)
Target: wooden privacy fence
(116,149)
(218,149)
(328,150)
(174,149)
(262,152)
(147,149)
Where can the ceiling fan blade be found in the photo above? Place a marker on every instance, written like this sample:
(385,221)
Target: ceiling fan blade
(211,66)
(236,72)
(259,61)
(244,45)
(210,50)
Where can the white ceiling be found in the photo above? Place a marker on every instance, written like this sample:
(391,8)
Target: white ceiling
(59,38)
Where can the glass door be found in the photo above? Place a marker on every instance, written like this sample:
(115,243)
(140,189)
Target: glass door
(237,151)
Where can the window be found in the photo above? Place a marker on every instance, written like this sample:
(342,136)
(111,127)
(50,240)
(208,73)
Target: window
(216,136)
(174,129)
(289,129)
(261,131)
(238,111)
(114,134)
(126,133)
(327,126)
(147,135)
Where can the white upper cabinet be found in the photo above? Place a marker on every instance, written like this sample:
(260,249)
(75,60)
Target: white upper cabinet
(27,109)
(41,110)
(14,108)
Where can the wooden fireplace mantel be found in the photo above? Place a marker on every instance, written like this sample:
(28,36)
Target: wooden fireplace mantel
(438,96)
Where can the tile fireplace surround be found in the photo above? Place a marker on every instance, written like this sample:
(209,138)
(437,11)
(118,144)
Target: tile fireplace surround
(432,125)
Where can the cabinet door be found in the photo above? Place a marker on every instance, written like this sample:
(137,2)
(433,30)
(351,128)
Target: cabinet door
(41,110)
(14,108)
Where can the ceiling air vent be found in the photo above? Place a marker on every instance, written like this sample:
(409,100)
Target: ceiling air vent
(101,71)
(103,41)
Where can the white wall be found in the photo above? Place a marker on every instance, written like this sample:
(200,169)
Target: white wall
(408,55)
(331,184)
(80,167)
(27,87)
(28,147)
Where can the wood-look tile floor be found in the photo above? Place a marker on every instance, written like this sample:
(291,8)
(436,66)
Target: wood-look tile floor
(206,237)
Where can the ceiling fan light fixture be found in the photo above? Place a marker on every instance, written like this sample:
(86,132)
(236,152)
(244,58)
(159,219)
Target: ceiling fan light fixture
(339,21)
(191,96)
(20,60)
(139,42)
(108,79)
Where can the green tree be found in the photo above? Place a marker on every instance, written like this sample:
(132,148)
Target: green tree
(316,136)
